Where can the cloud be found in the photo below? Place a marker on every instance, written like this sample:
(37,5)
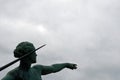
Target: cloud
(106,73)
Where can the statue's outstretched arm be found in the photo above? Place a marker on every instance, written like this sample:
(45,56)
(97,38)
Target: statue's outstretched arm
(55,68)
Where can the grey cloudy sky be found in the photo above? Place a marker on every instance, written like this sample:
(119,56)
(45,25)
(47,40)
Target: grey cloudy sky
(85,32)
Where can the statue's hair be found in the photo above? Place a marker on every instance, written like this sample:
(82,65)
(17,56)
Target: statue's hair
(23,48)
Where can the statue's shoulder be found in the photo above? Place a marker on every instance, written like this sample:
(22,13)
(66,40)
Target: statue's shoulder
(37,67)
(13,72)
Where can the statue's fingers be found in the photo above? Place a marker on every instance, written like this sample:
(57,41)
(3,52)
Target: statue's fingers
(75,66)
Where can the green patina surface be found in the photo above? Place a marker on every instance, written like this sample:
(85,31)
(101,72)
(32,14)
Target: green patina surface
(25,72)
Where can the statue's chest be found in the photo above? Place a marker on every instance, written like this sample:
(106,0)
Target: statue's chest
(30,75)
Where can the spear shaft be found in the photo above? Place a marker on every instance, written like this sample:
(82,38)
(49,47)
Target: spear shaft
(11,63)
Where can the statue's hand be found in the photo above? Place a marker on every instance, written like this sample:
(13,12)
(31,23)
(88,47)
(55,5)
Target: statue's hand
(71,66)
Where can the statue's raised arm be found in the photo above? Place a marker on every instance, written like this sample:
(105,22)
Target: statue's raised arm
(43,70)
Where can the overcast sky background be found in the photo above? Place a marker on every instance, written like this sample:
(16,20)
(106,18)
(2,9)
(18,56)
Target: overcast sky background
(85,32)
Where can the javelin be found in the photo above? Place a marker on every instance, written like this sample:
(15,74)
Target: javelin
(11,63)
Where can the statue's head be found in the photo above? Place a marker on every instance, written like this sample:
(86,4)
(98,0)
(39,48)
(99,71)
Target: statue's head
(24,48)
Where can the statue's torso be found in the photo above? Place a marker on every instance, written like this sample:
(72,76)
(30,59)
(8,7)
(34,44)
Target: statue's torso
(32,74)
(18,74)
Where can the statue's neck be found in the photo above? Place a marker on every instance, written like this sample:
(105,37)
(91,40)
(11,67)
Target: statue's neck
(24,66)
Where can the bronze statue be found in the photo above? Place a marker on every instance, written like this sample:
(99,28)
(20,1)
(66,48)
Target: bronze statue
(25,72)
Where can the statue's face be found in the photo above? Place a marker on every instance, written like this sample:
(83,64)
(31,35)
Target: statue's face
(32,57)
